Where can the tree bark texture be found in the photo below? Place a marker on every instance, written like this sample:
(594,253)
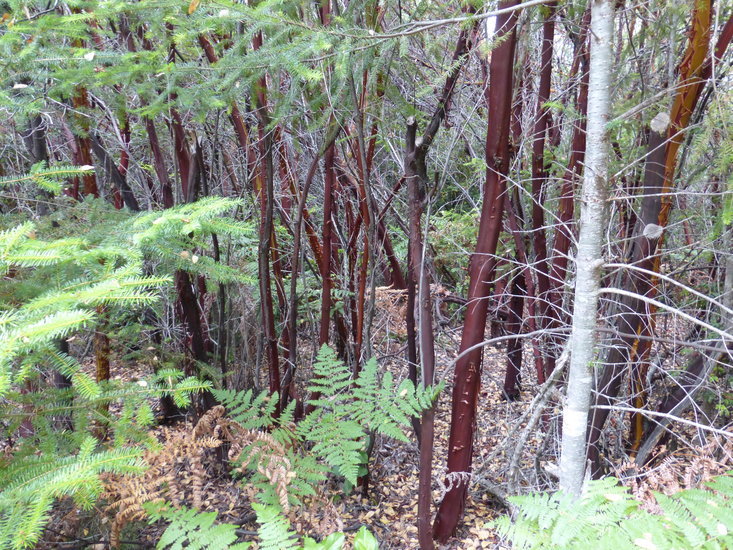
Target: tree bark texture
(539,171)
(649,233)
(589,257)
(467,378)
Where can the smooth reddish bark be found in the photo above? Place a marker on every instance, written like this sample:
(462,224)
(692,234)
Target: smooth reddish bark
(564,233)
(467,378)
(326,281)
(539,173)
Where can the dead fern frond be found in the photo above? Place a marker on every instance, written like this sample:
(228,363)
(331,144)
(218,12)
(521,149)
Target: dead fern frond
(678,472)
(208,423)
(177,473)
(269,457)
(260,449)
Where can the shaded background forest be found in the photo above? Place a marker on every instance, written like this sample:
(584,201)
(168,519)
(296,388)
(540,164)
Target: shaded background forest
(219,189)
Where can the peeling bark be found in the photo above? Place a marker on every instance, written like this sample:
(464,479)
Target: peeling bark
(467,376)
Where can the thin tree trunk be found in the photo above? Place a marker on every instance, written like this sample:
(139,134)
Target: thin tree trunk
(188,310)
(264,187)
(101,363)
(659,175)
(366,218)
(82,155)
(589,259)
(415,175)
(114,174)
(564,233)
(332,133)
(467,378)
(512,378)
(166,189)
(539,171)
(421,342)
(326,281)
(35,142)
(527,287)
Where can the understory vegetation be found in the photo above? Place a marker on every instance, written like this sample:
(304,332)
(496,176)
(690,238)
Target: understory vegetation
(366,274)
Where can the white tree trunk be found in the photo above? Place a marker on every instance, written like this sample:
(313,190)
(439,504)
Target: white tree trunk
(589,258)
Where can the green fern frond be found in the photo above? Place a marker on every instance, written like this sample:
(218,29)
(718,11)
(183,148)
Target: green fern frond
(190,528)
(607,517)
(274,530)
(337,431)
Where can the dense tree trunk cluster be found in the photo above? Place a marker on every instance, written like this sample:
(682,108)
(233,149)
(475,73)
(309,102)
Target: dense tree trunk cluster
(560,171)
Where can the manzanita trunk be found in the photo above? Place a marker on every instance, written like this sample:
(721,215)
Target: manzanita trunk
(539,171)
(329,179)
(564,233)
(423,314)
(248,148)
(512,378)
(81,151)
(525,287)
(698,367)
(101,364)
(326,281)
(264,187)
(112,170)
(166,189)
(421,347)
(589,259)
(467,378)
(159,165)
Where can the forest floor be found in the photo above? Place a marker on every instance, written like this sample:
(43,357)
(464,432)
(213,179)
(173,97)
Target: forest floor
(390,508)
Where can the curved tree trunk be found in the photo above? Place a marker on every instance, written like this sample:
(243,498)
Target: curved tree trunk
(467,378)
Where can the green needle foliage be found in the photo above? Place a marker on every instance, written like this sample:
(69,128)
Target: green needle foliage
(47,178)
(608,518)
(61,306)
(55,289)
(31,485)
(176,237)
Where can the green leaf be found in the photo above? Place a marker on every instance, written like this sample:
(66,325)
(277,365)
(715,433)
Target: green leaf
(334,541)
(364,540)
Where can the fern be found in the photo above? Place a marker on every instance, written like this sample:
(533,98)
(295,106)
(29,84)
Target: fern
(197,530)
(247,409)
(347,411)
(336,433)
(608,518)
(274,530)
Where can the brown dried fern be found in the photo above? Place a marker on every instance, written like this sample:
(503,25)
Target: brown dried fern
(176,474)
(678,472)
(177,471)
